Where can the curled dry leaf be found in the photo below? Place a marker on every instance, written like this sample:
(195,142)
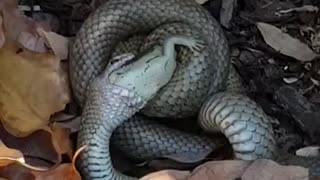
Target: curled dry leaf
(285,44)
(58,43)
(33,86)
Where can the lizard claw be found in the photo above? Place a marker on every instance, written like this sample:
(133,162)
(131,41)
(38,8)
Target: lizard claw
(196,45)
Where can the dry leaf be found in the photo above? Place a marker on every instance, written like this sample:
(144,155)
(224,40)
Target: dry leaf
(62,117)
(35,36)
(222,170)
(8,155)
(233,169)
(73,125)
(305,8)
(20,28)
(61,140)
(310,151)
(226,12)
(315,81)
(270,170)
(167,175)
(16,172)
(63,172)
(201,1)
(66,171)
(314,38)
(33,42)
(58,43)
(290,80)
(32,88)
(38,148)
(2,36)
(284,43)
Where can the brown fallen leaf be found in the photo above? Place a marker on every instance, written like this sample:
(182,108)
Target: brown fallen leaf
(73,125)
(16,171)
(2,36)
(222,170)
(38,148)
(26,162)
(167,175)
(262,169)
(31,34)
(59,44)
(270,170)
(21,28)
(61,139)
(13,165)
(285,44)
(8,155)
(65,171)
(33,86)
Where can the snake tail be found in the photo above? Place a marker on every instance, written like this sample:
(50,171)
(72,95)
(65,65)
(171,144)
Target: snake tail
(240,119)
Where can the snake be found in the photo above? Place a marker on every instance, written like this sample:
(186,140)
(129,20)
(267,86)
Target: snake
(120,112)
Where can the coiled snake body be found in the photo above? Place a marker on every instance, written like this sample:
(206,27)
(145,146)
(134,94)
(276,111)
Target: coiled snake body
(134,26)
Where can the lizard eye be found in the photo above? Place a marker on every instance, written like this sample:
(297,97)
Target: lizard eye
(122,58)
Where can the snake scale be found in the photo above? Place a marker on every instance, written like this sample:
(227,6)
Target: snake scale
(197,87)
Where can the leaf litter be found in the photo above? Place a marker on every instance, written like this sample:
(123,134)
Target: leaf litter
(34,55)
(285,44)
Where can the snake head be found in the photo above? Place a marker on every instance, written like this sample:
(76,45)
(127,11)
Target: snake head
(116,63)
(103,79)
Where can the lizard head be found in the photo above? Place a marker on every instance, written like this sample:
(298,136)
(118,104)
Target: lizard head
(146,74)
